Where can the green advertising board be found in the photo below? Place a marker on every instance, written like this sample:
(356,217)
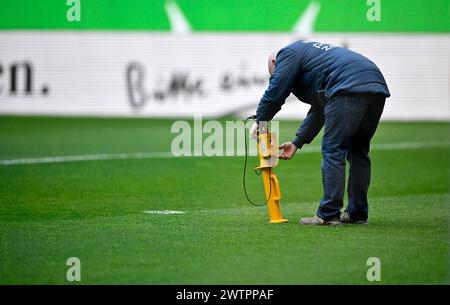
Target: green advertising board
(228,15)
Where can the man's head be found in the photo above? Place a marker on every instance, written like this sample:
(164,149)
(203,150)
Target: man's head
(272,61)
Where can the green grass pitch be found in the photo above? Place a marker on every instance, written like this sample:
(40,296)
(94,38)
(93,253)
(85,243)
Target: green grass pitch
(93,210)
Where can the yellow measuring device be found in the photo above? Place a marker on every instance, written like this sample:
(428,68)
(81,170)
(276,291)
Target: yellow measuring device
(268,157)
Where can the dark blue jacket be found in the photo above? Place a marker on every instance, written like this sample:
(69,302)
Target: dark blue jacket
(316,72)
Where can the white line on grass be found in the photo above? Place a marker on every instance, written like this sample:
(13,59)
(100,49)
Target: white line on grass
(392,146)
(164,212)
(60,159)
(156,155)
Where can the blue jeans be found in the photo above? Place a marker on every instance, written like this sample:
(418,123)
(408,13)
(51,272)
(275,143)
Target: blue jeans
(350,123)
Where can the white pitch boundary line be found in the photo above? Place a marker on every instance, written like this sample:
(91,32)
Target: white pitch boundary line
(156,155)
(392,146)
(164,212)
(60,159)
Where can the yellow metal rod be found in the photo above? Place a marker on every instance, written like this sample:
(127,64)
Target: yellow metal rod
(272,189)
(268,156)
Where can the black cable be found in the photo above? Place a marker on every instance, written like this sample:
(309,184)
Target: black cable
(245,168)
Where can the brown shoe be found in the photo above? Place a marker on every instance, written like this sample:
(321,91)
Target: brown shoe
(345,218)
(317,221)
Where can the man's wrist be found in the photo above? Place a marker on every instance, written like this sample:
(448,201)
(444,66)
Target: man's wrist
(298,142)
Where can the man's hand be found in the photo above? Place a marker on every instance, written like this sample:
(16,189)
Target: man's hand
(254,131)
(289,150)
(261,128)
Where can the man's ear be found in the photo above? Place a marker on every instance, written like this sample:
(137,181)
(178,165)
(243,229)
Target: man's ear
(273,61)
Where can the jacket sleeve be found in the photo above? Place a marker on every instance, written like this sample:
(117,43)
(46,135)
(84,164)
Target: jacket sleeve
(280,84)
(310,127)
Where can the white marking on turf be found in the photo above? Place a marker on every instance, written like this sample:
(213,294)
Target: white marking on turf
(59,159)
(164,212)
(156,155)
(392,146)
